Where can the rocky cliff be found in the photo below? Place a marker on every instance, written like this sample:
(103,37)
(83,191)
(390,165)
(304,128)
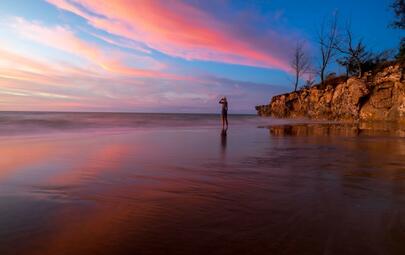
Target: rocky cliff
(378,96)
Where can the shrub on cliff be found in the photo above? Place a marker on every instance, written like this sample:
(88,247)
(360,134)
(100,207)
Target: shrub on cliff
(377,62)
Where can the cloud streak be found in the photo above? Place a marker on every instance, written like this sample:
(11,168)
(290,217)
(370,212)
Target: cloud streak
(181,30)
(62,38)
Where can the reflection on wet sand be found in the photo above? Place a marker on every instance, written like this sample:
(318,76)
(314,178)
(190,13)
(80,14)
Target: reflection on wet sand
(223,140)
(304,189)
(366,147)
(18,156)
(348,129)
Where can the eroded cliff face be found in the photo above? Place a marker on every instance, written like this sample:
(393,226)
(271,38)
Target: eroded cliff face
(372,97)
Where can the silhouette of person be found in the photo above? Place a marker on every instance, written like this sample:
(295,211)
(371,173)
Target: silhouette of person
(224,113)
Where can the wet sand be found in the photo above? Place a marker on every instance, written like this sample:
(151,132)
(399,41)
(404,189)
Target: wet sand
(258,189)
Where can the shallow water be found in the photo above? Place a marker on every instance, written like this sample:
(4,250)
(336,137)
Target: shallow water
(175,184)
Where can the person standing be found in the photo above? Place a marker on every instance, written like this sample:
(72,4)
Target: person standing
(224,114)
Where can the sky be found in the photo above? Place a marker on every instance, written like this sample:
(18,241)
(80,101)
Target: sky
(166,56)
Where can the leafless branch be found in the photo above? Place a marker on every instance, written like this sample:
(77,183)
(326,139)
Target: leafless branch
(300,63)
(354,54)
(327,40)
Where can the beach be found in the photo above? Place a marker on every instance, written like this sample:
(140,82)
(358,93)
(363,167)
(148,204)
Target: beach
(108,183)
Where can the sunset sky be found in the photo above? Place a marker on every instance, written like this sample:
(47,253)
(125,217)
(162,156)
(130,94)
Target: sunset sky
(164,56)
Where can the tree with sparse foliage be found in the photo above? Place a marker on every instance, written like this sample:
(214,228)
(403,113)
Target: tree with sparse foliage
(300,63)
(327,40)
(354,55)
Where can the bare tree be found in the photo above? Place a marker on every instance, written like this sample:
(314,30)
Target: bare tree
(300,63)
(354,54)
(327,40)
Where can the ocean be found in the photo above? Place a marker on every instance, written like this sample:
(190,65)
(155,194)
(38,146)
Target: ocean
(137,183)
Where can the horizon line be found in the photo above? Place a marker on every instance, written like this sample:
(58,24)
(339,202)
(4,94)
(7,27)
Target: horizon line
(127,112)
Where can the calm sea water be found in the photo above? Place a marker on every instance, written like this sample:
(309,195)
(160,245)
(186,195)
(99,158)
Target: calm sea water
(107,183)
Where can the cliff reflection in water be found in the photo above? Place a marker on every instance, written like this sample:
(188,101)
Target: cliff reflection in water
(338,129)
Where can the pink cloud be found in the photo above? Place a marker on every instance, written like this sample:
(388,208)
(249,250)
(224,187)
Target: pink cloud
(27,83)
(17,67)
(180,30)
(64,39)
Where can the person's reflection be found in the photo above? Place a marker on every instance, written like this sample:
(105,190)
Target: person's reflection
(223,140)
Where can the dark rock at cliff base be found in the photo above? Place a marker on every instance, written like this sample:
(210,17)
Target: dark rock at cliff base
(379,96)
